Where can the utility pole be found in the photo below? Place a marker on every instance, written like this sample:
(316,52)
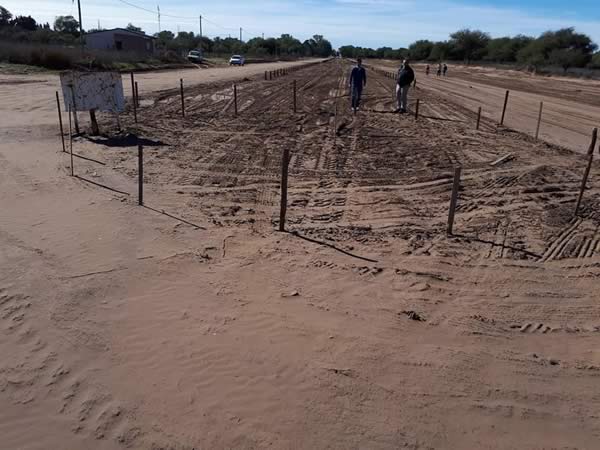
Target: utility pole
(81,39)
(263,36)
(200,27)
(158,9)
(98,24)
(241,35)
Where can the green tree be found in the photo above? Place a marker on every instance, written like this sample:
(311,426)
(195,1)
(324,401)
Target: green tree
(420,50)
(562,47)
(468,44)
(347,51)
(440,51)
(567,58)
(289,45)
(27,23)
(66,24)
(132,27)
(5,16)
(318,46)
(205,44)
(505,49)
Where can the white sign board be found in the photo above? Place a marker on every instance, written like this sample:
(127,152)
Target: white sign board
(84,91)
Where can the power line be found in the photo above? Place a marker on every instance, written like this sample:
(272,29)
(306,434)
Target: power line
(138,7)
(171,16)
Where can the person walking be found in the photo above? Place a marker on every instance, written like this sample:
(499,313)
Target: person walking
(358,80)
(445,70)
(406,76)
(427,69)
(439,71)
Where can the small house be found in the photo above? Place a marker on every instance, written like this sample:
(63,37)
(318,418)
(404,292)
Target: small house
(120,39)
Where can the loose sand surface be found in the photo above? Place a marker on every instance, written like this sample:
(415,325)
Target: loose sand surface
(571,106)
(192,323)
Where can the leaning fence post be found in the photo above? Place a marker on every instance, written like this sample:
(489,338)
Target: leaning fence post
(137,95)
(587,169)
(454,199)
(284,187)
(134,106)
(62,133)
(140,175)
(132,87)
(182,98)
(417,108)
(295,101)
(71,142)
(235,98)
(504,109)
(478,118)
(537,130)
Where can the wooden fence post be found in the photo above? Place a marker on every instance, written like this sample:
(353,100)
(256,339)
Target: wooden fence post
(137,95)
(454,199)
(62,133)
(140,175)
(478,118)
(504,109)
(295,101)
(537,130)
(417,108)
(235,98)
(71,142)
(182,98)
(94,123)
(587,170)
(285,160)
(133,87)
(134,107)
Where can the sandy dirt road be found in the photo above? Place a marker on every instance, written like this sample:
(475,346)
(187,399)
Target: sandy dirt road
(570,110)
(121,327)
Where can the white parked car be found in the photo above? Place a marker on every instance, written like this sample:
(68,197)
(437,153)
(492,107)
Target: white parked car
(237,60)
(195,56)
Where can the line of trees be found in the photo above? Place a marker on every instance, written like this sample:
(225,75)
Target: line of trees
(66,32)
(285,45)
(563,48)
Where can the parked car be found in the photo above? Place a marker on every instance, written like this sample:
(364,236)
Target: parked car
(195,56)
(237,60)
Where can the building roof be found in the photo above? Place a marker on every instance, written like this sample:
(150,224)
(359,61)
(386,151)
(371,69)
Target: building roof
(135,33)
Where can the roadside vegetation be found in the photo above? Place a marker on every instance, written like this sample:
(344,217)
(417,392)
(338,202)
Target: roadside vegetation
(563,51)
(24,41)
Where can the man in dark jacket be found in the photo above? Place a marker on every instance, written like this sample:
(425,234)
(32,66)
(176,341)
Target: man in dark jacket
(358,79)
(406,76)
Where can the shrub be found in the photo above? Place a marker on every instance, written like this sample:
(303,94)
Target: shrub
(56,60)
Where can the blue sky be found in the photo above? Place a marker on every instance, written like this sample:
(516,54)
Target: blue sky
(373,23)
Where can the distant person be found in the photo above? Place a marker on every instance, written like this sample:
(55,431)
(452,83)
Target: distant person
(406,76)
(445,69)
(358,80)
(427,69)
(439,71)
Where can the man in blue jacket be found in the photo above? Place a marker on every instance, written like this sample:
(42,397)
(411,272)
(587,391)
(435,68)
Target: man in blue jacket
(358,79)
(406,76)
